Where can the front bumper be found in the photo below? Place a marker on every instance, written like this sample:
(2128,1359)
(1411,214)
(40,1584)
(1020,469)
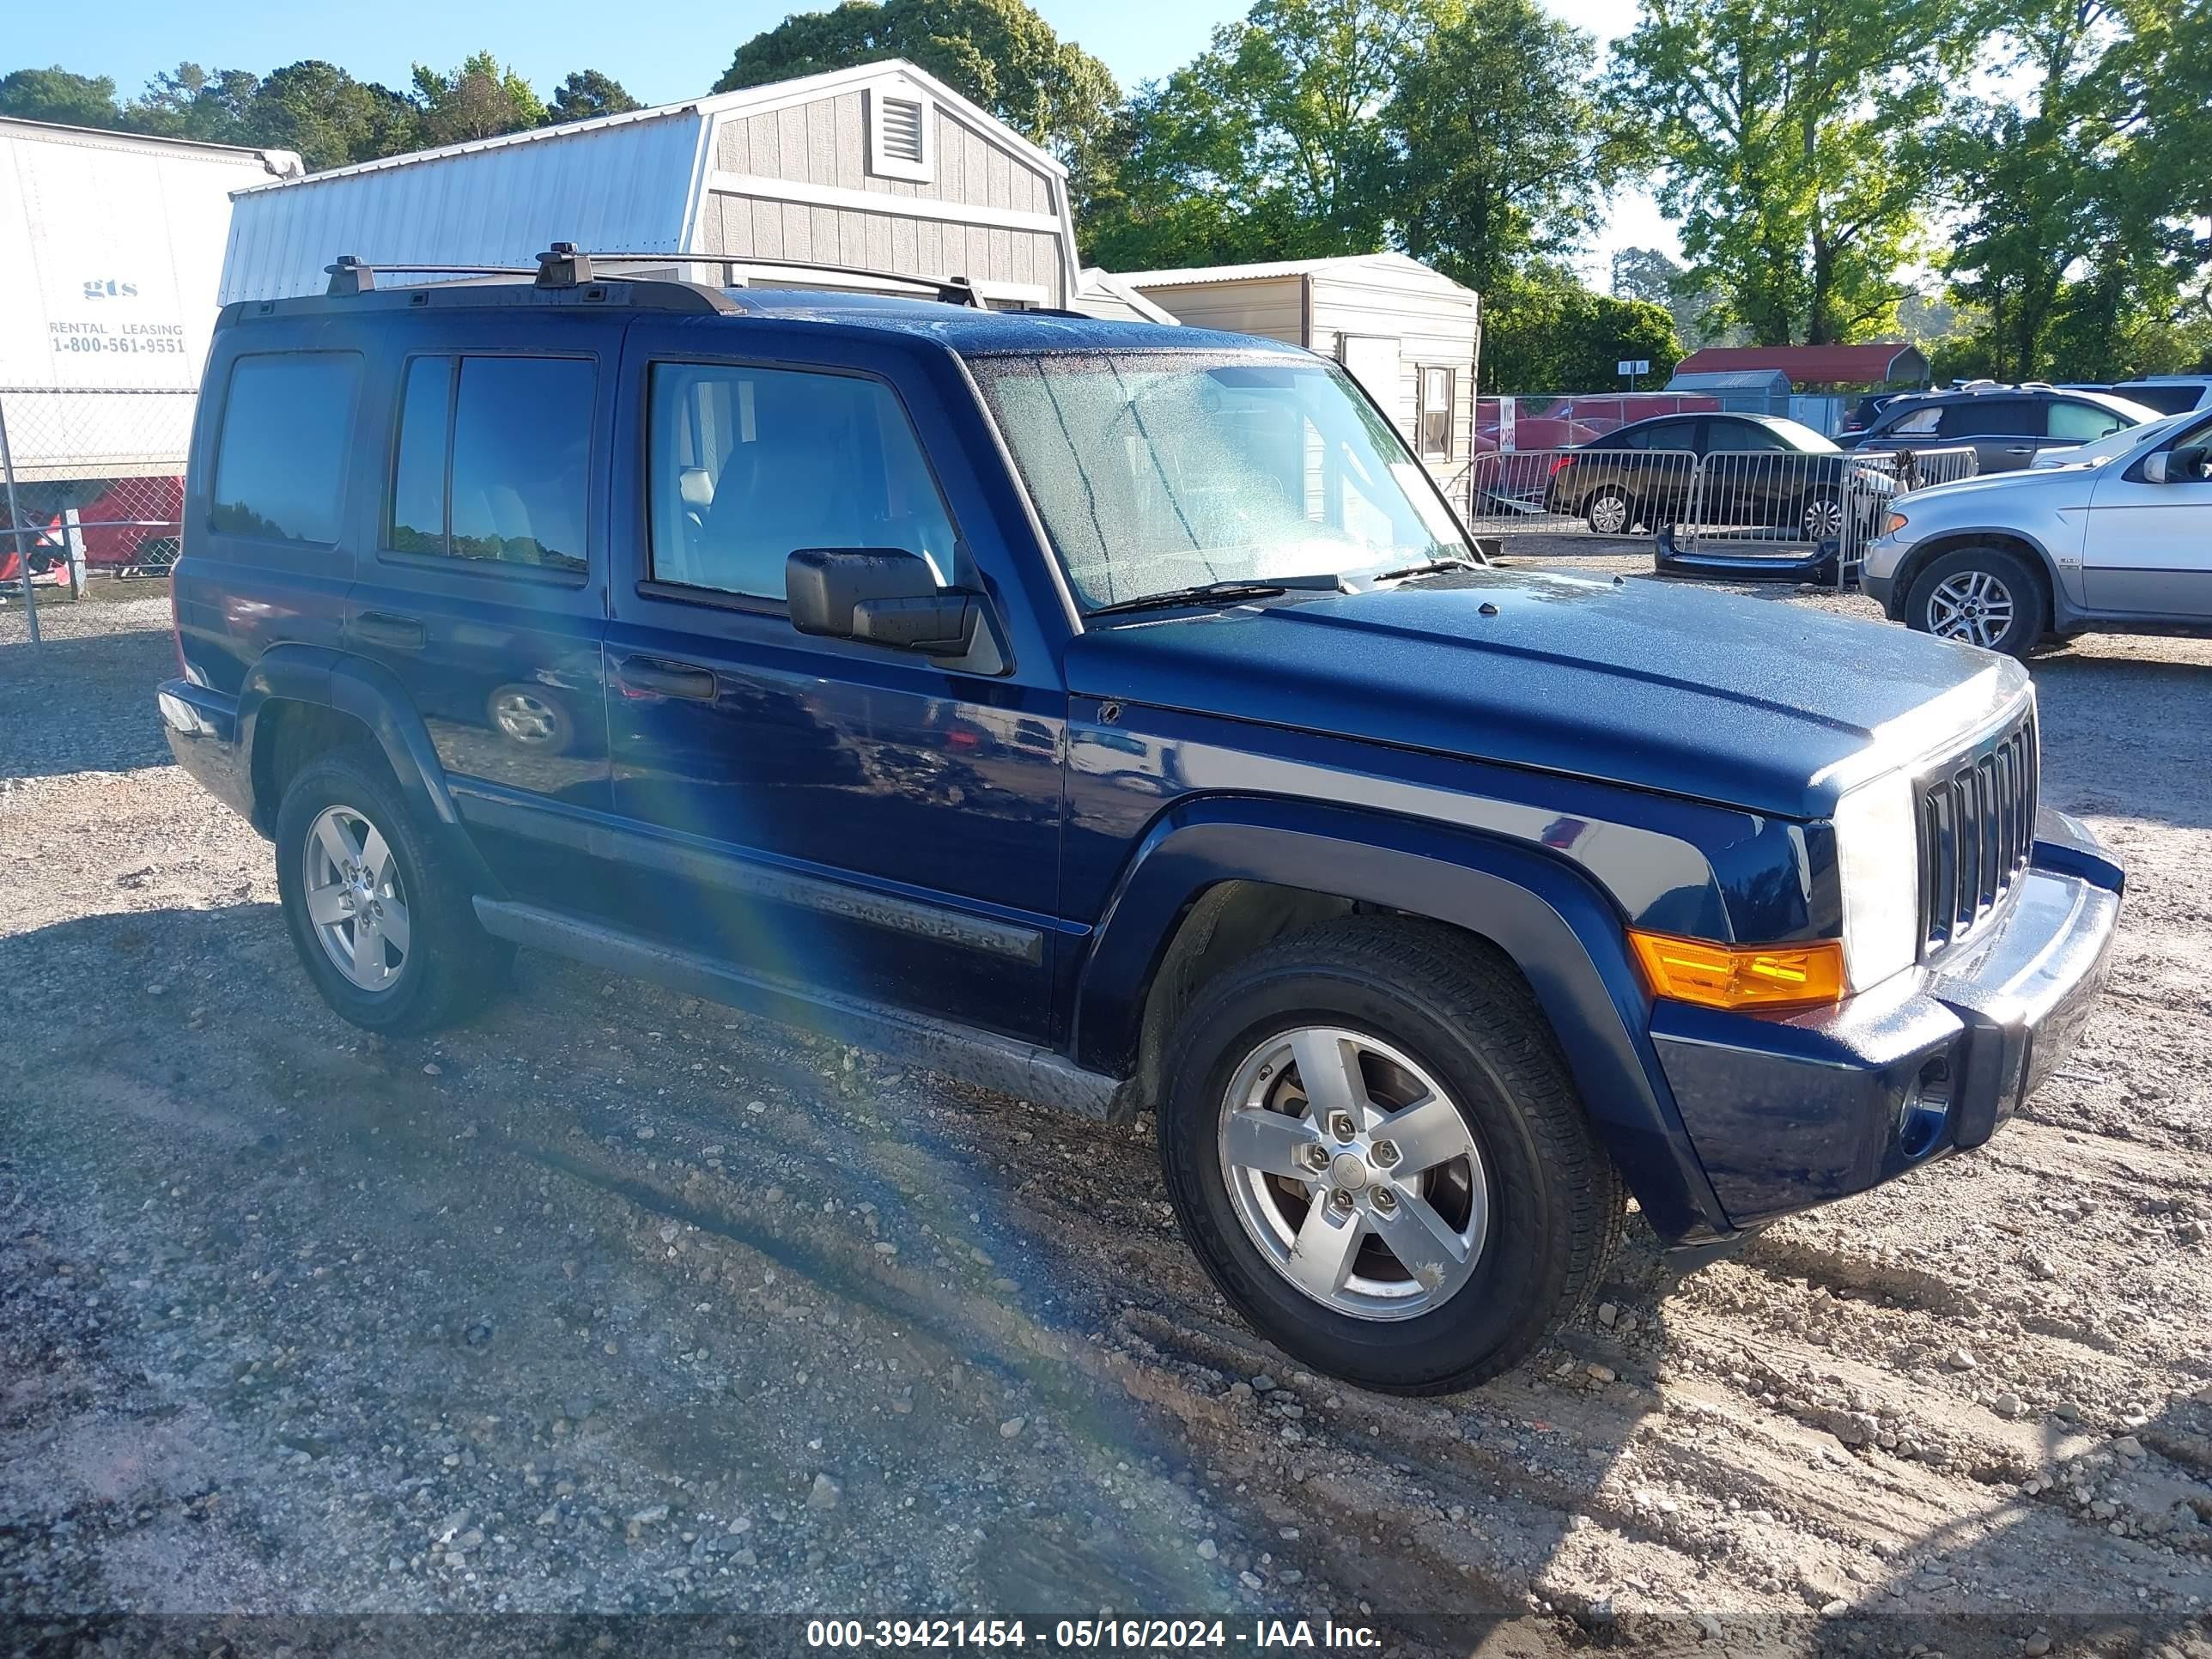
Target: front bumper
(1878,575)
(1789,1111)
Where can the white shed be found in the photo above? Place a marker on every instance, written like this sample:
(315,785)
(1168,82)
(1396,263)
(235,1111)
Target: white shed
(1410,335)
(881,166)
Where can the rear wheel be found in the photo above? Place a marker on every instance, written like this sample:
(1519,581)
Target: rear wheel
(381,921)
(1373,1146)
(1985,596)
(1820,516)
(1609,511)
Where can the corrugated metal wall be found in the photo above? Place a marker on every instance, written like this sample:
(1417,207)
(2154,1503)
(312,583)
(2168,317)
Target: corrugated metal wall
(624,185)
(823,142)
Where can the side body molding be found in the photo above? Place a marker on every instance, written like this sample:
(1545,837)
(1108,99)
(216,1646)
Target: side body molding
(1564,934)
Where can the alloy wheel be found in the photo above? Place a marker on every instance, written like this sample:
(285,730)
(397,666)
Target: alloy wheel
(1823,518)
(356,901)
(1608,513)
(1973,605)
(1353,1173)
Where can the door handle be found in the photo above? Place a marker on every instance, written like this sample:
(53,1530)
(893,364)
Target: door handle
(394,633)
(668,679)
(2020,449)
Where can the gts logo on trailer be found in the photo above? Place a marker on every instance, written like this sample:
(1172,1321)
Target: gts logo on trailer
(109,289)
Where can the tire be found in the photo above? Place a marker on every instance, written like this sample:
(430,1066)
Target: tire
(1822,516)
(446,966)
(2016,606)
(1552,1198)
(1609,511)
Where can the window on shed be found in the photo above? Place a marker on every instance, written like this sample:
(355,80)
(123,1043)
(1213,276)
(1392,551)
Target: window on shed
(1436,402)
(280,468)
(900,118)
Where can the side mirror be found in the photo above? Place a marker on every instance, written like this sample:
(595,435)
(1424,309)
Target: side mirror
(882,595)
(2189,465)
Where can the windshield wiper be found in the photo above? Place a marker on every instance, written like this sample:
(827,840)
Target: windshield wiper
(1427,568)
(1237,587)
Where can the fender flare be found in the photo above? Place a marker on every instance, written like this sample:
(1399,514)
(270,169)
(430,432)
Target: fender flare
(2064,609)
(371,694)
(1557,929)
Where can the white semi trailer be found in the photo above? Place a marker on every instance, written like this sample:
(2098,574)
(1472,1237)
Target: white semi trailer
(111,258)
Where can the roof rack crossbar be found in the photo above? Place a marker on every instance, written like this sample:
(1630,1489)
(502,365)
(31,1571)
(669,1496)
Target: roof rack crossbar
(352,275)
(953,290)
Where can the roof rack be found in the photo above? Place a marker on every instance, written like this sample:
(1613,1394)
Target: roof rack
(565,265)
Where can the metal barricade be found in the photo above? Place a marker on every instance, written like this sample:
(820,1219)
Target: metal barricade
(91,486)
(1736,514)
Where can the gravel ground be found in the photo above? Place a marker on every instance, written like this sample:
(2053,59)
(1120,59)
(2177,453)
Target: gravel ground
(616,1302)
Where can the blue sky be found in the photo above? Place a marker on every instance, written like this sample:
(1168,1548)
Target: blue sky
(661,50)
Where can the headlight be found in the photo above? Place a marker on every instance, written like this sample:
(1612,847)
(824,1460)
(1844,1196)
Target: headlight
(1878,859)
(1893,525)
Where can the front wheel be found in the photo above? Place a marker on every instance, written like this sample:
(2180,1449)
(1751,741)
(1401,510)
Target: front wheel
(1373,1146)
(1985,596)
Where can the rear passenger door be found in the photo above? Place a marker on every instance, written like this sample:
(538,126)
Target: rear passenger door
(483,589)
(850,817)
(2005,431)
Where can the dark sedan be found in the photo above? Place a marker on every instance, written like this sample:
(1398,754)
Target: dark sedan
(1752,470)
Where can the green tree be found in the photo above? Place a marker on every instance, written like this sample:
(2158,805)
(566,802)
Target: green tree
(999,53)
(1652,275)
(331,118)
(1544,332)
(1784,134)
(482,98)
(586,93)
(56,95)
(1273,143)
(1495,139)
(192,103)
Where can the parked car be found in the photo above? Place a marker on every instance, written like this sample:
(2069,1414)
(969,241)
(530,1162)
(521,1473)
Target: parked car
(2170,394)
(2007,425)
(1864,413)
(2112,443)
(1757,470)
(2003,561)
(1115,715)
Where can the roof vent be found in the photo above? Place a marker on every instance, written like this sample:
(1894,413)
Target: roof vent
(900,117)
(903,129)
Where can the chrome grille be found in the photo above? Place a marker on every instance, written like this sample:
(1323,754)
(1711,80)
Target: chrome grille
(1977,833)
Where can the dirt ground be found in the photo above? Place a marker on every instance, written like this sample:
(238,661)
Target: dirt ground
(616,1302)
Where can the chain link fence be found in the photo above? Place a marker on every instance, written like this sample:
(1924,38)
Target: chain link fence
(1735,513)
(92,485)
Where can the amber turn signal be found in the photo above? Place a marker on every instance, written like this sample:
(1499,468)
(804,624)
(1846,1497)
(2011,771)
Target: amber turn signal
(1741,976)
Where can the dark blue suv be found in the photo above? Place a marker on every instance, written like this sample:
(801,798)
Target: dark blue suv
(1115,715)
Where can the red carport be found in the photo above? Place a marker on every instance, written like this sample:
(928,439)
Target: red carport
(1882,363)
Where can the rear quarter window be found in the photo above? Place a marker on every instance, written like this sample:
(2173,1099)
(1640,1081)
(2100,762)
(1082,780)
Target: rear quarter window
(280,459)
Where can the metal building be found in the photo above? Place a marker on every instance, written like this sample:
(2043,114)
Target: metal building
(882,167)
(1410,335)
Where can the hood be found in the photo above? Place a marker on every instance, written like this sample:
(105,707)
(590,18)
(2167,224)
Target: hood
(2071,483)
(1773,708)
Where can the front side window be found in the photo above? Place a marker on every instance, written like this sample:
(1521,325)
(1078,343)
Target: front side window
(750,464)
(1155,471)
(280,467)
(492,460)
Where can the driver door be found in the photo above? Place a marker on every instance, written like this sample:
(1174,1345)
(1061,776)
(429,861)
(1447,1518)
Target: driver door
(841,815)
(2148,547)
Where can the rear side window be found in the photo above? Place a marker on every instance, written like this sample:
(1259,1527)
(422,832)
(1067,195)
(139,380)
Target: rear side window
(750,464)
(1675,434)
(280,464)
(2082,423)
(492,460)
(1993,417)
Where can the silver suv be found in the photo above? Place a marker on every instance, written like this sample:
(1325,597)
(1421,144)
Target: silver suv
(2000,561)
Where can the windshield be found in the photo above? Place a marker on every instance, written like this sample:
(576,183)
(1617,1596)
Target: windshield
(1160,471)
